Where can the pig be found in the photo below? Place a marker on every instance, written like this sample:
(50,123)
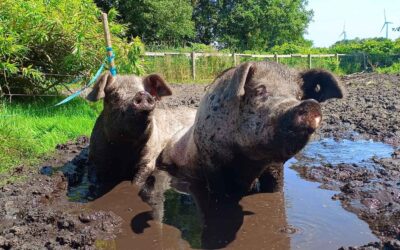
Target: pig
(130,132)
(252,119)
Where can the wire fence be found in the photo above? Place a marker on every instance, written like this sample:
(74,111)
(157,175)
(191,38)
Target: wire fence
(204,67)
(195,67)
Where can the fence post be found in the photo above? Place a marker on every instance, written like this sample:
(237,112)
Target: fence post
(193,57)
(365,61)
(309,61)
(276,57)
(234,59)
(110,53)
(337,61)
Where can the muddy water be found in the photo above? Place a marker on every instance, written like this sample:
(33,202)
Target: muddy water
(335,152)
(302,217)
(321,223)
(257,222)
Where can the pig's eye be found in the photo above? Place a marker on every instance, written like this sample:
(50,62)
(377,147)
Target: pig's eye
(261,91)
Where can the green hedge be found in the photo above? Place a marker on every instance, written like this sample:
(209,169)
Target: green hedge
(42,41)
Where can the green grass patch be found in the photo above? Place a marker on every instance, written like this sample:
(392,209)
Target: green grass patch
(393,69)
(31,129)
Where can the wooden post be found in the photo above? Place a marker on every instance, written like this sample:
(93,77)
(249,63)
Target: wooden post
(107,37)
(193,57)
(365,62)
(309,61)
(234,59)
(276,57)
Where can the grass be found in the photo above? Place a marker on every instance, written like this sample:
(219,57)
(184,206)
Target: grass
(178,68)
(393,69)
(30,130)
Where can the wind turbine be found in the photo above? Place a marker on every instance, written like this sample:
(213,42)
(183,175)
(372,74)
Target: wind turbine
(386,23)
(344,33)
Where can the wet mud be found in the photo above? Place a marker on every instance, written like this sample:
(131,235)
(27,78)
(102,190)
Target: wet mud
(348,194)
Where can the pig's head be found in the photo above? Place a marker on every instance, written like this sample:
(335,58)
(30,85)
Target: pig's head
(129,102)
(264,110)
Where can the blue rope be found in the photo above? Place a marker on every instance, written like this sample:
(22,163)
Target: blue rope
(77,93)
(113,71)
(110,59)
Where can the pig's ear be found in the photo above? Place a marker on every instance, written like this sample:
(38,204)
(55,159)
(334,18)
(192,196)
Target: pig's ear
(156,86)
(97,92)
(320,85)
(236,80)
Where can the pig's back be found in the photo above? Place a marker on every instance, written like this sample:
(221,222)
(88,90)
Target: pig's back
(171,120)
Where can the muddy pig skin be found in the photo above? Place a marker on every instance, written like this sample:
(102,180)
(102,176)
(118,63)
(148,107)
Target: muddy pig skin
(130,131)
(252,119)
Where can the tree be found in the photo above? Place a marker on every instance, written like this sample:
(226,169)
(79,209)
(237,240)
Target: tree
(234,24)
(205,17)
(168,21)
(251,24)
(41,42)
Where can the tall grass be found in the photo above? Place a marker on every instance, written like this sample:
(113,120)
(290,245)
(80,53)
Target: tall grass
(30,130)
(178,68)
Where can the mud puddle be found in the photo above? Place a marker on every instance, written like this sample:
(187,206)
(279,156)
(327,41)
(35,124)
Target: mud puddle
(312,209)
(331,151)
(257,222)
(304,216)
(365,177)
(320,222)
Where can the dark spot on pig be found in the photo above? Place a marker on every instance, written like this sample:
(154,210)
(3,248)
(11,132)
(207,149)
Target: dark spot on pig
(212,137)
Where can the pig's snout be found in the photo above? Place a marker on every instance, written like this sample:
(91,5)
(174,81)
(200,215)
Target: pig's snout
(143,101)
(307,115)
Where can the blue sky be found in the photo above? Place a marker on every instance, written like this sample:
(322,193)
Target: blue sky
(363,18)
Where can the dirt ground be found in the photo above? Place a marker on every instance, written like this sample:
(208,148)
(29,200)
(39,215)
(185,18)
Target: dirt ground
(37,213)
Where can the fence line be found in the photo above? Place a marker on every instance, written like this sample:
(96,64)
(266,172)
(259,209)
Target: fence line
(201,67)
(236,57)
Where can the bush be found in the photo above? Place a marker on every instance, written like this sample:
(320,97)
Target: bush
(393,69)
(375,46)
(42,41)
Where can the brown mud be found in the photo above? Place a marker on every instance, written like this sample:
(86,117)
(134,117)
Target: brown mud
(55,207)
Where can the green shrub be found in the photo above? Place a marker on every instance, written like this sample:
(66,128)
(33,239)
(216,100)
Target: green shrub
(393,69)
(41,40)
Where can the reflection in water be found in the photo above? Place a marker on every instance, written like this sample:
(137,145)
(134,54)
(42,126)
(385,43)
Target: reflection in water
(180,212)
(344,151)
(321,222)
(185,216)
(209,222)
(256,222)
